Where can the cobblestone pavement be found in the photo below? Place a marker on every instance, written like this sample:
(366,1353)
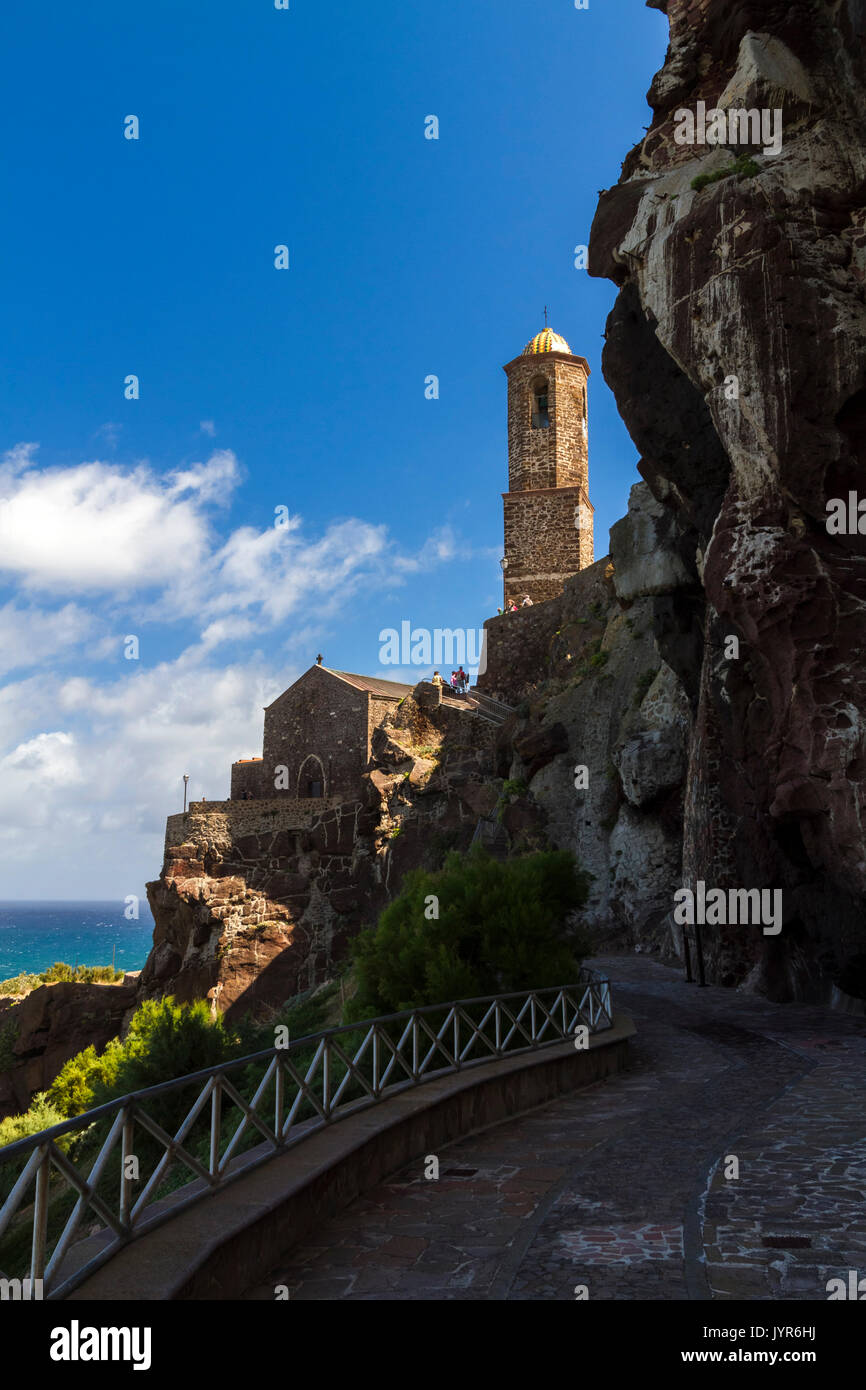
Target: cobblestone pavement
(628,1187)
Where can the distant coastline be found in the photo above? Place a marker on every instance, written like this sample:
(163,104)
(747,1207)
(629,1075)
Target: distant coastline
(36,933)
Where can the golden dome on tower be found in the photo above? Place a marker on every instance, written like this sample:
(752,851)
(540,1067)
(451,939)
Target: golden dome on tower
(546,341)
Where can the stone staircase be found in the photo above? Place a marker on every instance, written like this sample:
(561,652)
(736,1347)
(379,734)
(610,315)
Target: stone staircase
(494,711)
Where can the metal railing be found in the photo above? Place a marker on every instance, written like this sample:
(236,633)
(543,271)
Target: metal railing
(396,1052)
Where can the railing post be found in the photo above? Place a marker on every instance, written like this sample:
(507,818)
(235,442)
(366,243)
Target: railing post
(326,1079)
(126,1152)
(532,1016)
(40,1219)
(498,1019)
(215,1126)
(279,1097)
(456,1036)
(415,1046)
(375,1059)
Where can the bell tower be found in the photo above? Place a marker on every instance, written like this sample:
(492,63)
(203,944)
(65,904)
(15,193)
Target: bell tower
(548,514)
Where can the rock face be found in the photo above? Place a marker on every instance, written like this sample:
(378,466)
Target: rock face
(49,1026)
(256,899)
(736,354)
(599,734)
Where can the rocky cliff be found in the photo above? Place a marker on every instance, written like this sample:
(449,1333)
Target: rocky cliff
(600,732)
(51,1024)
(736,354)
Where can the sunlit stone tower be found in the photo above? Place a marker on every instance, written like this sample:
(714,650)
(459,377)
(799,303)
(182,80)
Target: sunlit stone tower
(548,515)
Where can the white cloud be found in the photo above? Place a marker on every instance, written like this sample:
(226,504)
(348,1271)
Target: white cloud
(96,526)
(86,807)
(207,427)
(214,481)
(32,636)
(42,764)
(438,548)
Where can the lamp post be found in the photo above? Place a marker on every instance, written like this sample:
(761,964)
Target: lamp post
(503,565)
(185,788)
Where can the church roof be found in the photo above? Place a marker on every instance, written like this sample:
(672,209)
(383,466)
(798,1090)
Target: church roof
(546,341)
(395,689)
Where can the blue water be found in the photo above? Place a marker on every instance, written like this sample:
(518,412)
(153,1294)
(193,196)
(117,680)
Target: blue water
(33,935)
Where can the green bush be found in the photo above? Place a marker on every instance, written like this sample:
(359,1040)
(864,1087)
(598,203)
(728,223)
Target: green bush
(61,972)
(501,926)
(19,984)
(41,1115)
(744,167)
(165,1040)
(73,1087)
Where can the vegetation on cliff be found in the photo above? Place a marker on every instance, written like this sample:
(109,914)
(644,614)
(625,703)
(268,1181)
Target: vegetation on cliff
(475,927)
(60,972)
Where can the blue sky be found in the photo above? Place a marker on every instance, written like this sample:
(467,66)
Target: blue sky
(262,388)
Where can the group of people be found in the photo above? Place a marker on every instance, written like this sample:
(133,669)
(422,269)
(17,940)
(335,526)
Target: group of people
(459,683)
(511,607)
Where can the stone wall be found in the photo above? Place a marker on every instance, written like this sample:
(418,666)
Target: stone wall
(248,775)
(523,648)
(318,729)
(548,538)
(221,821)
(555,456)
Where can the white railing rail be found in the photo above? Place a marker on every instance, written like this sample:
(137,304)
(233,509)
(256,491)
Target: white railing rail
(395,1052)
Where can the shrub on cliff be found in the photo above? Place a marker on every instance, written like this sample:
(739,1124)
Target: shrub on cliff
(72,1089)
(61,972)
(41,1115)
(165,1040)
(501,926)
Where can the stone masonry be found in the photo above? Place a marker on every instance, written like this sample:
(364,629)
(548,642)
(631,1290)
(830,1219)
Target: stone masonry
(317,737)
(547,511)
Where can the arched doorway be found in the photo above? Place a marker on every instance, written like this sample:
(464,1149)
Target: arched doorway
(311,778)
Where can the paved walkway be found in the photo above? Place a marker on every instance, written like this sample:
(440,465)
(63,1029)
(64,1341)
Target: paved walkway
(622,1187)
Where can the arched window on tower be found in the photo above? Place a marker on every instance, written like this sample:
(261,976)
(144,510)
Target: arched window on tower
(540,405)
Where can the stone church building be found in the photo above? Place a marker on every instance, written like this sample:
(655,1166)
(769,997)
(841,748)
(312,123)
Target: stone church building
(317,737)
(318,733)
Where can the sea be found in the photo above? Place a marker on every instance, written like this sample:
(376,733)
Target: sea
(33,935)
